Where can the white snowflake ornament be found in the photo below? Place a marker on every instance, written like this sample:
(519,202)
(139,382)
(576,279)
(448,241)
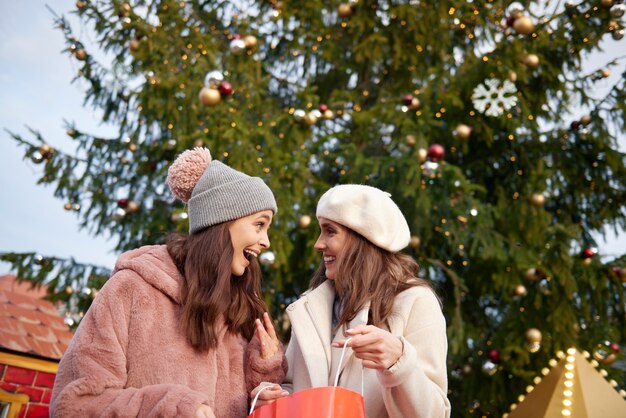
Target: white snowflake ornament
(494,97)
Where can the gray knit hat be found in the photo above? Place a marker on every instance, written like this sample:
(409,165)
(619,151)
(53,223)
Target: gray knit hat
(216,193)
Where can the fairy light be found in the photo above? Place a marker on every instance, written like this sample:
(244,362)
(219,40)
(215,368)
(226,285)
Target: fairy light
(568,383)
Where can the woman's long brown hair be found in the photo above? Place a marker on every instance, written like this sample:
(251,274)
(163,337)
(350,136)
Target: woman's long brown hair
(369,273)
(210,292)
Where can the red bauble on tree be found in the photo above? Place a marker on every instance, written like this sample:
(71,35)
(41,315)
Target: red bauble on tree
(122,203)
(225,88)
(589,252)
(407,99)
(436,152)
(494,355)
(323,107)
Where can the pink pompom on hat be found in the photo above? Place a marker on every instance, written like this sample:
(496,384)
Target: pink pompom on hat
(214,192)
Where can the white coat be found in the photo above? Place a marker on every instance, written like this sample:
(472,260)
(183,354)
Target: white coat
(414,387)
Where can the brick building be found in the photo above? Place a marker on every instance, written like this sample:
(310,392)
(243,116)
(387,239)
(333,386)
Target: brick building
(33,337)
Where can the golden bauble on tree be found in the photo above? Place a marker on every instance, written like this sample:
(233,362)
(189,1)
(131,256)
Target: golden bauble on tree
(410,140)
(80,54)
(523,25)
(344,10)
(67,206)
(210,96)
(585,120)
(304,221)
(134,44)
(46,151)
(462,131)
(531,61)
(80,5)
(537,199)
(533,335)
(250,41)
(422,155)
(414,242)
(520,290)
(532,274)
(132,207)
(512,76)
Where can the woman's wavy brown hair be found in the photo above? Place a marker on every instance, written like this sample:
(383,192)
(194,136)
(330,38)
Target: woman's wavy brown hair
(210,291)
(368,273)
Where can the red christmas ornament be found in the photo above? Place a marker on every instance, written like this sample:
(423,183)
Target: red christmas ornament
(436,152)
(225,88)
(615,347)
(122,203)
(236,36)
(588,253)
(407,99)
(323,107)
(575,125)
(509,21)
(494,355)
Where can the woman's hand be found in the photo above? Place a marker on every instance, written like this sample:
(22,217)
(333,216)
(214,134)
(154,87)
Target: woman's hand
(204,411)
(378,349)
(267,336)
(268,395)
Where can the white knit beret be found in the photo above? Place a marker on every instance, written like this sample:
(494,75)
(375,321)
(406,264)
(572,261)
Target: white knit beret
(367,211)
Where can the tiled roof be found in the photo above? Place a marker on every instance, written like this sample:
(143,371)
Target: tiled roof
(29,324)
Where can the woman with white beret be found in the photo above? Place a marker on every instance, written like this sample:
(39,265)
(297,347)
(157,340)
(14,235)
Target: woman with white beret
(366,291)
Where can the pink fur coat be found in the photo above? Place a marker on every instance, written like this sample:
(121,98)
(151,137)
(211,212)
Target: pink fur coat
(129,357)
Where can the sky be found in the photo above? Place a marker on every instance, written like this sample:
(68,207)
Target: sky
(36,91)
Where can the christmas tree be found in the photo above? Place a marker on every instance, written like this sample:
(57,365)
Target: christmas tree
(477,116)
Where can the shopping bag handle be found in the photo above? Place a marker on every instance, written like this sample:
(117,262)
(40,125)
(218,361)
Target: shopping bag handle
(343,352)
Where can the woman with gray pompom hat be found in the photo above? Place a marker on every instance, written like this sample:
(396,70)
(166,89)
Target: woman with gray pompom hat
(180,330)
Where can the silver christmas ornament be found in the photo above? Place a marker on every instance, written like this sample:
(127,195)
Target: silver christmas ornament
(37,158)
(267,258)
(237,46)
(213,79)
(617,10)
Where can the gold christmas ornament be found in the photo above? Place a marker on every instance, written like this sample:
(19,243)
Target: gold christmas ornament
(310,118)
(67,206)
(605,72)
(422,155)
(606,3)
(523,25)
(585,120)
(304,221)
(80,54)
(134,45)
(414,242)
(415,104)
(71,132)
(344,10)
(328,114)
(132,207)
(531,61)
(533,335)
(80,5)
(462,131)
(410,140)
(520,290)
(537,199)
(198,143)
(210,96)
(512,76)
(46,151)
(532,275)
(250,41)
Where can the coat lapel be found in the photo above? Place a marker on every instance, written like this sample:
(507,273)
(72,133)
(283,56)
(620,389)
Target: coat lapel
(311,318)
(359,319)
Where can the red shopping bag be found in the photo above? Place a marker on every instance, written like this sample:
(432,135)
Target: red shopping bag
(321,402)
